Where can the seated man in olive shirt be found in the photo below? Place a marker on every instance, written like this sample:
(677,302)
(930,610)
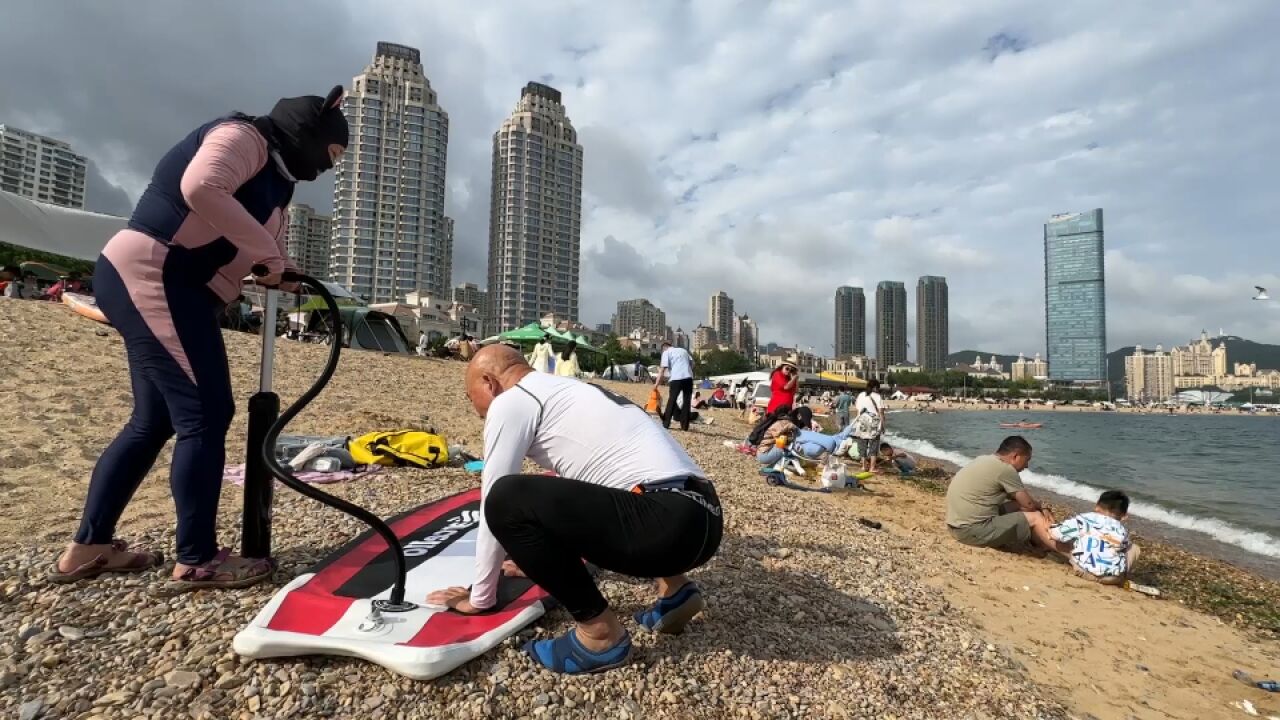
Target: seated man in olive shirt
(987,505)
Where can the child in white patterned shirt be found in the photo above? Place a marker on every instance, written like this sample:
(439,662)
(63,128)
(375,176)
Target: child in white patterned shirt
(1101,549)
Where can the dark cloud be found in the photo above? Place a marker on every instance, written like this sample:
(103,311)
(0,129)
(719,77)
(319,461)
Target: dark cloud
(123,84)
(100,195)
(1002,43)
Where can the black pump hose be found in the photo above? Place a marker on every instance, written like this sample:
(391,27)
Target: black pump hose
(285,474)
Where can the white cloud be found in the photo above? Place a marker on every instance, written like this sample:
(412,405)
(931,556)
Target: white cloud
(777,150)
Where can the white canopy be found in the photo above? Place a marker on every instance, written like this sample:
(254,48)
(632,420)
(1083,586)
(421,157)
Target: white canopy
(39,226)
(739,378)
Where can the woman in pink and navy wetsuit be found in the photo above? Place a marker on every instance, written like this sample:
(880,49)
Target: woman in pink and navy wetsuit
(214,208)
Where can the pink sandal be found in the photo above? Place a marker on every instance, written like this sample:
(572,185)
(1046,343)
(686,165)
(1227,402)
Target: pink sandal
(215,574)
(138,562)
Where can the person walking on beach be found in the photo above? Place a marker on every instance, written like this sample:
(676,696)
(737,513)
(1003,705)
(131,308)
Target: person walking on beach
(988,506)
(626,497)
(843,402)
(567,363)
(214,209)
(542,352)
(678,364)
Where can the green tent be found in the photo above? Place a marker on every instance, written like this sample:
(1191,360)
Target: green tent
(343,296)
(363,329)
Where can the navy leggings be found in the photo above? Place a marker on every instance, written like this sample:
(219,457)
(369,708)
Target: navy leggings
(180,328)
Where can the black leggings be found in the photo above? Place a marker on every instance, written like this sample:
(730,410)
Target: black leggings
(549,525)
(685,408)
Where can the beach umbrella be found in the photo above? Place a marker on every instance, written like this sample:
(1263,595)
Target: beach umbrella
(532,332)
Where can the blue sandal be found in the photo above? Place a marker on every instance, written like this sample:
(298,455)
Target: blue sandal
(670,614)
(566,654)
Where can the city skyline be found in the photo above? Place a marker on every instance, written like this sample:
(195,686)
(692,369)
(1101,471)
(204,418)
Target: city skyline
(724,184)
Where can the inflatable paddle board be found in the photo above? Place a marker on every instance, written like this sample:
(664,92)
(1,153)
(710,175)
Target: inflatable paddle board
(85,305)
(327,610)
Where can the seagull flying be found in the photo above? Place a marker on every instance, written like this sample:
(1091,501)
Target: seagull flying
(1262,293)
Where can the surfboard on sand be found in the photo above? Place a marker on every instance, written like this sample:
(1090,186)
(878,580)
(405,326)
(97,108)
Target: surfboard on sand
(325,610)
(85,305)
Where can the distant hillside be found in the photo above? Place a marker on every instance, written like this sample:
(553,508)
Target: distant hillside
(969,356)
(1239,350)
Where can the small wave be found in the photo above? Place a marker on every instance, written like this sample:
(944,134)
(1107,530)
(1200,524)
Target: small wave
(1251,540)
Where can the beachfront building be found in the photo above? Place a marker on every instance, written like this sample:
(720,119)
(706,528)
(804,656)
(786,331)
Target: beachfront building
(851,321)
(1148,376)
(704,339)
(640,314)
(1200,358)
(720,316)
(441,316)
(1262,380)
(471,294)
(306,239)
(681,339)
(932,320)
(853,366)
(748,340)
(390,233)
(805,362)
(41,168)
(1024,369)
(891,323)
(745,336)
(535,213)
(1075,297)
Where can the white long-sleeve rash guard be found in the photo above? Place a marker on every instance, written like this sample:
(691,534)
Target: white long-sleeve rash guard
(579,431)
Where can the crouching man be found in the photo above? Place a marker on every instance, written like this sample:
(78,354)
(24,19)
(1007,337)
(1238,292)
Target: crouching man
(625,497)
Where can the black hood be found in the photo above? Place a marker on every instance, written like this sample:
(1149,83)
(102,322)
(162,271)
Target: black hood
(301,129)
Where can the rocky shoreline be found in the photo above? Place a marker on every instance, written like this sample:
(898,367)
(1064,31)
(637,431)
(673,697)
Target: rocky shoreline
(811,614)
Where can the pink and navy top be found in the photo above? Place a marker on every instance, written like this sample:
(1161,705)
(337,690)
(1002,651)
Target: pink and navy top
(220,194)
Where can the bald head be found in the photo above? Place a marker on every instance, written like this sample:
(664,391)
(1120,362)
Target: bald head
(492,370)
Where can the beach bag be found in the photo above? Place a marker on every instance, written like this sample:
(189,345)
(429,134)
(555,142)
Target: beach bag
(400,448)
(834,475)
(654,405)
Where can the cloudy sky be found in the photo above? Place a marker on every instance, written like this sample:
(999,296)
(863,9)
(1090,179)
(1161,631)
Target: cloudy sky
(774,150)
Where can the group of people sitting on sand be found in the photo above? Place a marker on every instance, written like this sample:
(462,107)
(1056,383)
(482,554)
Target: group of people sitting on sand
(17,284)
(988,506)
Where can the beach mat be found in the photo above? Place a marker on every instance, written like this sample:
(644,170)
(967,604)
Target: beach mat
(324,611)
(234,474)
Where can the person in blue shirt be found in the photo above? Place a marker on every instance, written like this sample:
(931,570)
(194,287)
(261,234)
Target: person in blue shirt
(677,365)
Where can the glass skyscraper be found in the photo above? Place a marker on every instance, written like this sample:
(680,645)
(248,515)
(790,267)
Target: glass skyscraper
(1075,298)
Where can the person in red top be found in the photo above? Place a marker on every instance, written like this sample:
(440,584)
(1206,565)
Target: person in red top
(783,383)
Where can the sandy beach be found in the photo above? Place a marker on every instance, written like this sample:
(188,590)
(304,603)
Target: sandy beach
(811,614)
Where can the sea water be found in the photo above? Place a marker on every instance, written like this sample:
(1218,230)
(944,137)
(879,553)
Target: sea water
(1209,481)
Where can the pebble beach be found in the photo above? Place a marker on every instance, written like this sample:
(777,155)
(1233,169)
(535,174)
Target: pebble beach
(811,614)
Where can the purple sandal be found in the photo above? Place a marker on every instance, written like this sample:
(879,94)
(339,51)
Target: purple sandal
(215,574)
(138,562)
